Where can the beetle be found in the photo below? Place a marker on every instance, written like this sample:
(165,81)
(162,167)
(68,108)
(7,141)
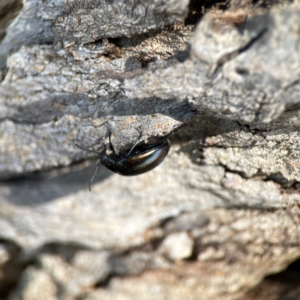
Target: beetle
(138,160)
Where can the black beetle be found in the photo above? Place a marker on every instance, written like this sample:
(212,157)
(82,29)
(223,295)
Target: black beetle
(138,160)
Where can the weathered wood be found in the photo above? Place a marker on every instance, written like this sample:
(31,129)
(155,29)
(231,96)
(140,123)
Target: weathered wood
(217,216)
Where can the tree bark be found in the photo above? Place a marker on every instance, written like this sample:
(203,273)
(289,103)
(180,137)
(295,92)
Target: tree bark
(216,217)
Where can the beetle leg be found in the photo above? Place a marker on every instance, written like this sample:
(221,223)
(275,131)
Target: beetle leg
(136,142)
(160,142)
(110,143)
(96,170)
(97,167)
(111,147)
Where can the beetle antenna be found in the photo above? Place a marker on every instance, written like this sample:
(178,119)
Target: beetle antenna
(93,151)
(136,142)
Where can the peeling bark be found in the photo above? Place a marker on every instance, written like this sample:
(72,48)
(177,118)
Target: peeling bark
(220,213)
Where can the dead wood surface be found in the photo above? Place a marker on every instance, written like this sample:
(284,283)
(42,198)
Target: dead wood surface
(220,213)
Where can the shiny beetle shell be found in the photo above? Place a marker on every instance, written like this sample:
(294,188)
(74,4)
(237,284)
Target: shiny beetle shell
(142,160)
(139,160)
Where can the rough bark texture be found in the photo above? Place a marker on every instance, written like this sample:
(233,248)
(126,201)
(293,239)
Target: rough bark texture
(216,217)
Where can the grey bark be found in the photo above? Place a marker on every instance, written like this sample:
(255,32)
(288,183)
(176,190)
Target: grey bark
(216,217)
